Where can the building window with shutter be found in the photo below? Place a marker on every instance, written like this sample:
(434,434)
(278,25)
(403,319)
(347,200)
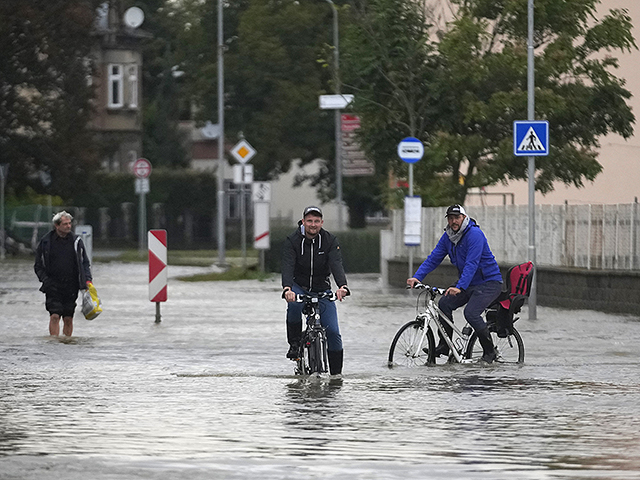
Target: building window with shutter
(132,80)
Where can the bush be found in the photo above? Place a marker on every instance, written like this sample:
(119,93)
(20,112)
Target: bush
(360,250)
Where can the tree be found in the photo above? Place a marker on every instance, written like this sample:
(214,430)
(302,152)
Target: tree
(484,89)
(477,88)
(44,94)
(389,63)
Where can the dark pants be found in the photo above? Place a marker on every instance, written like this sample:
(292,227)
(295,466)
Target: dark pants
(328,319)
(477,298)
(61,300)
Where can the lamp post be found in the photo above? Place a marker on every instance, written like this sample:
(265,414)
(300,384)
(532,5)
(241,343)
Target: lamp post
(338,122)
(221,215)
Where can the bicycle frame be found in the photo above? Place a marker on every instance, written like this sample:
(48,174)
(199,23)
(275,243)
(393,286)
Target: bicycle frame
(433,315)
(313,333)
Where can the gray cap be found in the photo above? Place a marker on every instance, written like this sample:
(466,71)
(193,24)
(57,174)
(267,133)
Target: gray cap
(312,209)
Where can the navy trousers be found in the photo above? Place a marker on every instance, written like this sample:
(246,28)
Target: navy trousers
(477,298)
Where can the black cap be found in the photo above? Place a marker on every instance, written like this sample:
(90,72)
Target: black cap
(456,210)
(312,209)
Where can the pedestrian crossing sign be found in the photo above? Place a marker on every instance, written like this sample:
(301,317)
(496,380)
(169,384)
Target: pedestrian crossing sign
(531,138)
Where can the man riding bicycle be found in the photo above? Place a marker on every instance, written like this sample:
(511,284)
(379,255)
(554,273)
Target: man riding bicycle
(309,256)
(479,282)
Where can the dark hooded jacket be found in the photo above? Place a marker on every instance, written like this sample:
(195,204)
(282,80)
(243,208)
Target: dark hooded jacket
(43,260)
(310,262)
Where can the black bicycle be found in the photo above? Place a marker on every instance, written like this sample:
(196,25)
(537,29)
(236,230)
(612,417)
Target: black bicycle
(312,357)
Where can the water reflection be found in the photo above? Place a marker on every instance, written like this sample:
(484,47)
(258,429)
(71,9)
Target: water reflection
(208,393)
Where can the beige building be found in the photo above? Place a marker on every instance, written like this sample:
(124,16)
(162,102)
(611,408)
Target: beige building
(118,86)
(619,182)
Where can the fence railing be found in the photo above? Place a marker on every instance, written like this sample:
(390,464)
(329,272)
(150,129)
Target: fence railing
(605,237)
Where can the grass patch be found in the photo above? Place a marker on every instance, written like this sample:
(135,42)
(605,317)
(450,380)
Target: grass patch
(232,274)
(184,258)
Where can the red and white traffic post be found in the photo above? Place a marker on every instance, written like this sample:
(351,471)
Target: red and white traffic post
(157,268)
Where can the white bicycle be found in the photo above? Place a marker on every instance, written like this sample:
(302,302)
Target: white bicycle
(414,344)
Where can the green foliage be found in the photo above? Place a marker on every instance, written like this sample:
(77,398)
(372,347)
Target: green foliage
(180,193)
(389,63)
(484,89)
(360,250)
(459,87)
(44,94)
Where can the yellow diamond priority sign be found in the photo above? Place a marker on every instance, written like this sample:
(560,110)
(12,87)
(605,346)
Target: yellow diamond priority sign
(243,151)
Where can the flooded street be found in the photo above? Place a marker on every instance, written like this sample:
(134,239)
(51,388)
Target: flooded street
(209,394)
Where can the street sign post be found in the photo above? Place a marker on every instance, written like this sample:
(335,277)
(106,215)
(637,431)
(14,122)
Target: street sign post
(243,152)
(411,150)
(142,169)
(261,197)
(531,138)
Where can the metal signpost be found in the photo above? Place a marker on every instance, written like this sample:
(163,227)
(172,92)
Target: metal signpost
(243,152)
(142,170)
(337,102)
(411,150)
(4,170)
(531,139)
(261,197)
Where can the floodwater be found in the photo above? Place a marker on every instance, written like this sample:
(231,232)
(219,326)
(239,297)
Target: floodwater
(208,393)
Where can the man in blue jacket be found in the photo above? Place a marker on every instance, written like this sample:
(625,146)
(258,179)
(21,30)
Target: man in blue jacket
(479,282)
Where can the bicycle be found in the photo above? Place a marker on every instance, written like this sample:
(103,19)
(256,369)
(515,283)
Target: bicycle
(414,343)
(312,358)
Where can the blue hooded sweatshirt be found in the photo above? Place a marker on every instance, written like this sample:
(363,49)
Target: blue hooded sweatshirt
(471,256)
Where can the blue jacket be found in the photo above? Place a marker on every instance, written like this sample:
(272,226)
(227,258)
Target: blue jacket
(471,256)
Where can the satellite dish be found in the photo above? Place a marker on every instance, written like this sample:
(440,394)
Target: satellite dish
(210,130)
(133,17)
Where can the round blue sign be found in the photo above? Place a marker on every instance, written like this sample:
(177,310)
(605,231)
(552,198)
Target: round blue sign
(410,150)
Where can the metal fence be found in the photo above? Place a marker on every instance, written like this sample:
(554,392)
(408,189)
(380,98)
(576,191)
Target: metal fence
(605,237)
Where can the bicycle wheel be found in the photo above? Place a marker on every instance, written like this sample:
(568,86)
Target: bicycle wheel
(510,349)
(315,356)
(302,367)
(410,348)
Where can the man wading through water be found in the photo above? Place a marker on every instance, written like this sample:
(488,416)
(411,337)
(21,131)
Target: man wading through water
(63,268)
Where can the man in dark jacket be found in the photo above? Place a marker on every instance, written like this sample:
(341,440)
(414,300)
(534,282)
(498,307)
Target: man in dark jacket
(479,282)
(63,268)
(310,255)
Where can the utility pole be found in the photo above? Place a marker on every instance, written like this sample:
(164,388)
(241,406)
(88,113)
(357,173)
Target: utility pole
(337,113)
(532,163)
(221,210)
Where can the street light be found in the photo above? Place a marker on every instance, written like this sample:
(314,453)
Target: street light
(336,79)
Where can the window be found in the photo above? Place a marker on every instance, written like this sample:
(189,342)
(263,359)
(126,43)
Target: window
(115,86)
(132,80)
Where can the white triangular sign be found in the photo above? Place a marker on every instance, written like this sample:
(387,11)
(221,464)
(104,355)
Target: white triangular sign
(531,142)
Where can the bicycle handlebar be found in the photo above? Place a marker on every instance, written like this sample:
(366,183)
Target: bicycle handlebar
(422,286)
(303,297)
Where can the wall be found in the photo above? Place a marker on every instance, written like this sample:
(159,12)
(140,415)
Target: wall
(606,291)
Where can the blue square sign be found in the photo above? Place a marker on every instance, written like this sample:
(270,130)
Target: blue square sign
(531,138)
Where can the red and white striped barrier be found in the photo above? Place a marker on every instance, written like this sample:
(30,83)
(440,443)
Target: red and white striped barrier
(157,265)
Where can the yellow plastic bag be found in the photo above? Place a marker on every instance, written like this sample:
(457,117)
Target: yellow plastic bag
(91,304)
